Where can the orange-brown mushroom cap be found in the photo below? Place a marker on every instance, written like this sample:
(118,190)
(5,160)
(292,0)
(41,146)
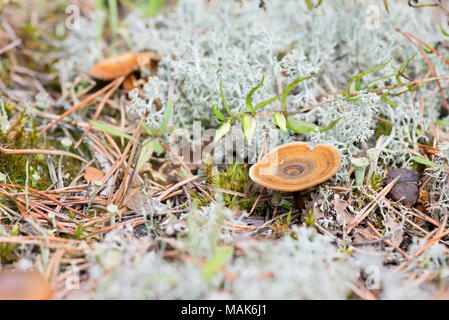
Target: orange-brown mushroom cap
(20,285)
(120,65)
(295,166)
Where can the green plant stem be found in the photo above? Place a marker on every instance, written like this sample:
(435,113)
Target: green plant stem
(113,18)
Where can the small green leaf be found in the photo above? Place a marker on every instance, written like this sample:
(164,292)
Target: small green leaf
(249,125)
(112,131)
(428,162)
(167,115)
(300,126)
(157,147)
(372,84)
(221,256)
(310,4)
(387,100)
(217,113)
(280,121)
(333,124)
(406,63)
(264,103)
(428,50)
(222,131)
(145,153)
(249,104)
(359,76)
(443,31)
(225,104)
(288,88)
(357,85)
(148,130)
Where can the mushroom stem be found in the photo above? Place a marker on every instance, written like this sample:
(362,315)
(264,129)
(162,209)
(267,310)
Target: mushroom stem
(359,165)
(298,200)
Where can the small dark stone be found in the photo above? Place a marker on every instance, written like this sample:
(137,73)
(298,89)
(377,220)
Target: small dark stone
(406,188)
(407,175)
(140,231)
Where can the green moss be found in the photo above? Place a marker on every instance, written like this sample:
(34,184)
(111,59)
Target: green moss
(23,134)
(281,226)
(199,198)
(361,200)
(234,178)
(7,249)
(78,232)
(376,182)
(308,220)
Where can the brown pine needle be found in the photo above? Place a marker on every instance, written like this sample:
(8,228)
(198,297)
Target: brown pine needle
(429,63)
(425,45)
(43,194)
(117,83)
(78,106)
(176,186)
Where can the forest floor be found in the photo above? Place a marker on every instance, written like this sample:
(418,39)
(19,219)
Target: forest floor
(103,206)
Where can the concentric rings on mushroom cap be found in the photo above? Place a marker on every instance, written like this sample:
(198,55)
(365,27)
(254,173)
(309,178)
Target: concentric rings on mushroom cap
(296,166)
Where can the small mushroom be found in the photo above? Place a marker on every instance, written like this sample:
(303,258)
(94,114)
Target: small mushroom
(295,166)
(21,285)
(121,65)
(406,188)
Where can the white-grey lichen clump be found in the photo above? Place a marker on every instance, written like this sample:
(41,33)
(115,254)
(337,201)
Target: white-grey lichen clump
(238,43)
(305,265)
(308,267)
(203,43)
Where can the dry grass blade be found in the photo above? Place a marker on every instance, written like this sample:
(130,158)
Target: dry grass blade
(425,45)
(177,186)
(429,63)
(41,151)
